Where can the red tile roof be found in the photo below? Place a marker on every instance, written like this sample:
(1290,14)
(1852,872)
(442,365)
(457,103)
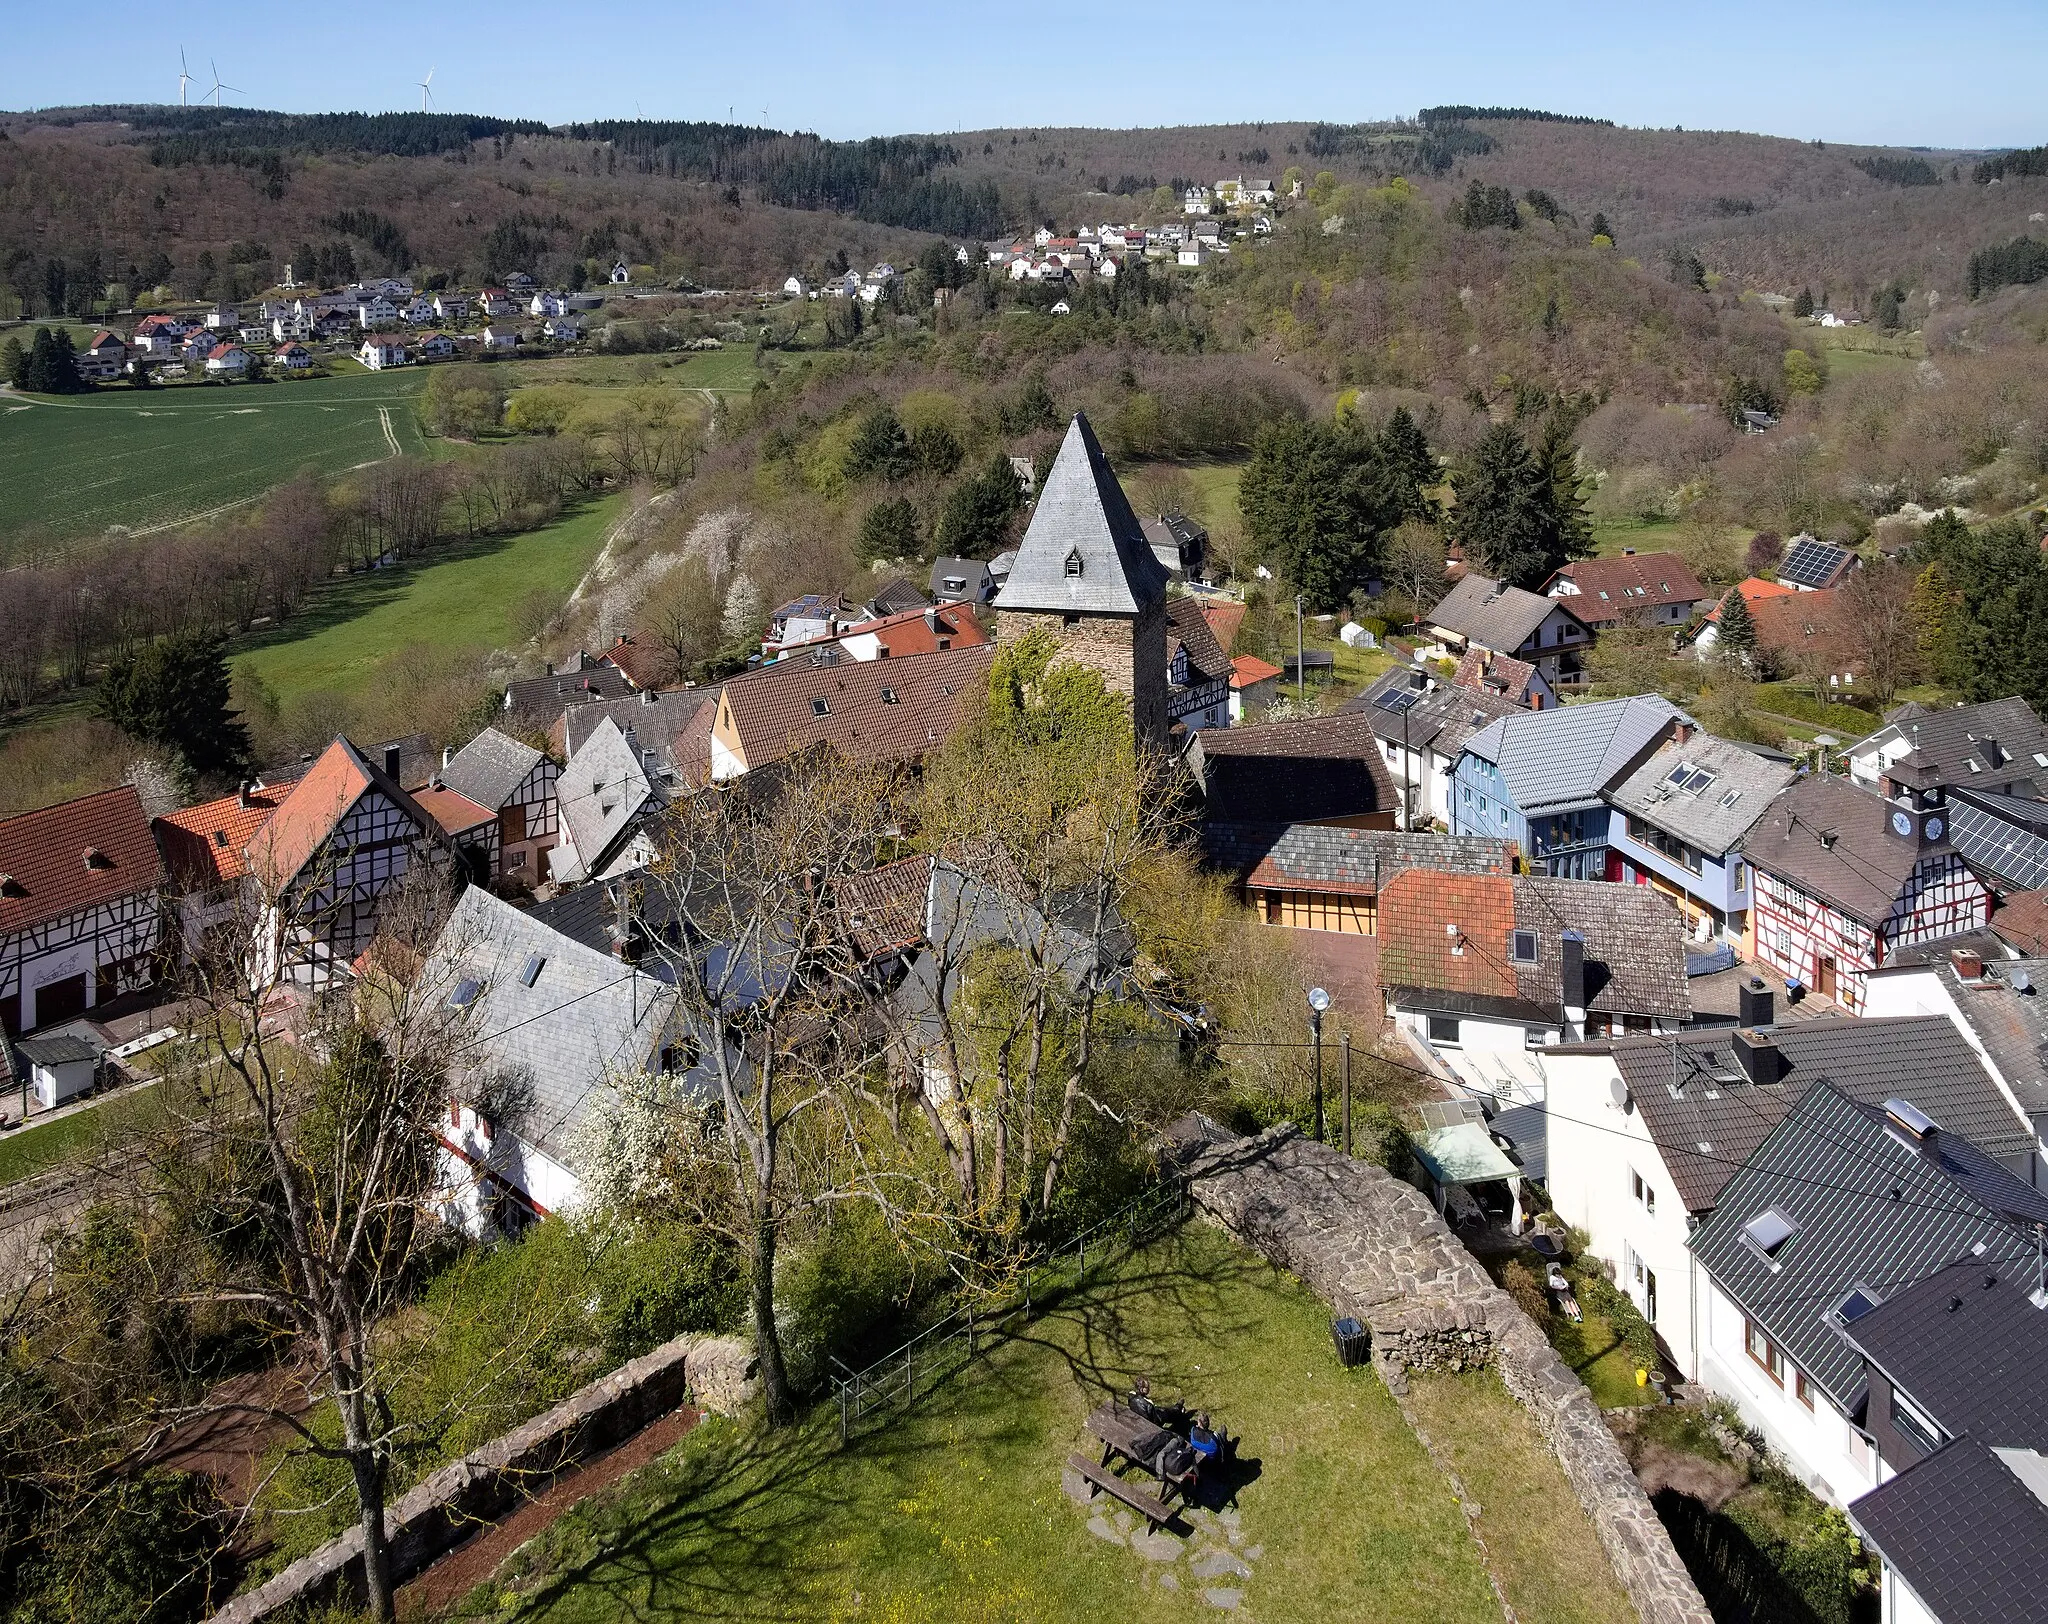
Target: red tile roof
(1754,591)
(1418,909)
(311,808)
(205,845)
(75,855)
(643,664)
(1224,618)
(1247,669)
(1799,620)
(455,813)
(2022,921)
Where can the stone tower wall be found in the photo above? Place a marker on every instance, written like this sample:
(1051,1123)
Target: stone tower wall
(1129,654)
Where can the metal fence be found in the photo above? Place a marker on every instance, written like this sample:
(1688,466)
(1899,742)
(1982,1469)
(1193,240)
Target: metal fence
(898,1378)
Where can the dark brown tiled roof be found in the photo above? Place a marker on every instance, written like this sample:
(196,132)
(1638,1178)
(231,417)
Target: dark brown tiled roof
(2022,920)
(1483,671)
(1833,840)
(75,855)
(1610,588)
(1293,772)
(882,710)
(885,907)
(1188,627)
(645,665)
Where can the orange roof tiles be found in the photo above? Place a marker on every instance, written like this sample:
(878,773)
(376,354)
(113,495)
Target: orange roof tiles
(454,812)
(1247,669)
(1754,591)
(1224,618)
(308,814)
(880,710)
(205,845)
(1418,909)
(75,855)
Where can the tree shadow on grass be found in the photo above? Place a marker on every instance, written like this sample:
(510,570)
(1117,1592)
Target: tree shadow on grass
(743,1522)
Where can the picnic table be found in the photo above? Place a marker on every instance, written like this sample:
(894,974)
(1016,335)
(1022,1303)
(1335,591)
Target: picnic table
(1145,1444)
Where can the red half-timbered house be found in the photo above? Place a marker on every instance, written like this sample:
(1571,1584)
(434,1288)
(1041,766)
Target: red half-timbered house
(80,908)
(1845,876)
(343,836)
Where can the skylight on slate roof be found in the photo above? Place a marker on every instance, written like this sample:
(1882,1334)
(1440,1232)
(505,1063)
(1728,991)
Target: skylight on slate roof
(529,972)
(1768,1232)
(465,993)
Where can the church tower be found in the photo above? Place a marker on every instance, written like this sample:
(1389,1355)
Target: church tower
(1085,571)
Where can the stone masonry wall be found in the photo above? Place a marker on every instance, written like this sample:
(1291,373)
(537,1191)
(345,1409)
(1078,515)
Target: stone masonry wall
(484,1486)
(1130,654)
(1373,1247)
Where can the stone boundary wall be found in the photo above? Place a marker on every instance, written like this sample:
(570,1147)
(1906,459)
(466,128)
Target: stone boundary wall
(484,1486)
(1373,1247)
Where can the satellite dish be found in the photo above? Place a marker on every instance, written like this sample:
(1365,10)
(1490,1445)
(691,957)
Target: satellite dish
(1619,1090)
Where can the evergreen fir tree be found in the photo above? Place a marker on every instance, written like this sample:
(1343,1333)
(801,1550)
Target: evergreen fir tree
(888,530)
(176,693)
(1802,305)
(1738,627)
(1407,462)
(1518,514)
(1573,531)
(1601,228)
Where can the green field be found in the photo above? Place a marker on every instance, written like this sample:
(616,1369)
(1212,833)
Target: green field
(954,1511)
(147,460)
(464,597)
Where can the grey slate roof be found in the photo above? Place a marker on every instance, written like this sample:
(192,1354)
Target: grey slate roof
(1871,1210)
(586,1018)
(1569,757)
(655,718)
(894,596)
(1083,511)
(534,702)
(2011,1025)
(1965,1533)
(1443,718)
(1691,1094)
(1495,616)
(1833,840)
(603,793)
(490,768)
(1967,1347)
(1317,856)
(1705,817)
(1955,741)
(977,582)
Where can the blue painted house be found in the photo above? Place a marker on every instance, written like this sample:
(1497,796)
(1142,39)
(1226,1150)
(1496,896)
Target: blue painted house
(1540,779)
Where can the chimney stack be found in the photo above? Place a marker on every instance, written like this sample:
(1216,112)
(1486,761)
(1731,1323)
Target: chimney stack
(1753,1002)
(447,755)
(1969,964)
(1682,732)
(1759,1056)
(243,792)
(1572,973)
(392,759)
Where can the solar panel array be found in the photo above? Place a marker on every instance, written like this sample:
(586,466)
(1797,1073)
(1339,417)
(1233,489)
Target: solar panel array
(2015,856)
(1811,563)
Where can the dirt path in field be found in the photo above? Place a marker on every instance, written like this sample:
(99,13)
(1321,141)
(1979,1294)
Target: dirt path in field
(434,1593)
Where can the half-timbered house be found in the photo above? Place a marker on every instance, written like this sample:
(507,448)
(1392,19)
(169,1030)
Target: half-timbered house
(343,836)
(80,911)
(1845,876)
(516,782)
(205,850)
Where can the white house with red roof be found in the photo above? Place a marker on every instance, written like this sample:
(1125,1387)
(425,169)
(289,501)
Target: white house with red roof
(433,346)
(102,359)
(293,357)
(227,361)
(79,916)
(158,334)
(383,350)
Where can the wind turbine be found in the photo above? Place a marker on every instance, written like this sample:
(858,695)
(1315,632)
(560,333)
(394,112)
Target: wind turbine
(426,94)
(218,87)
(184,76)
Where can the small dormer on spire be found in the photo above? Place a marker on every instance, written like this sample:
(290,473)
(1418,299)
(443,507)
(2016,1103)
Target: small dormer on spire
(1074,564)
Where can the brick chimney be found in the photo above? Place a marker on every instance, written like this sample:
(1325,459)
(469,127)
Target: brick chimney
(1759,1056)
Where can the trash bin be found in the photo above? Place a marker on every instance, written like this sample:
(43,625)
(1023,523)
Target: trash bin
(1351,1340)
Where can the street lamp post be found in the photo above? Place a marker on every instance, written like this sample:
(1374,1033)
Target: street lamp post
(1318,1001)
(1300,673)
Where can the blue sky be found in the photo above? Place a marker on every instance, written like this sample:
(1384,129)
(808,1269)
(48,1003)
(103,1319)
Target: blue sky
(1968,73)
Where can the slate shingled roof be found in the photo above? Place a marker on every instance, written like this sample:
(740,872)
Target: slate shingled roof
(1707,1118)
(1666,791)
(655,718)
(1610,588)
(490,768)
(1082,511)
(604,793)
(1869,1209)
(1443,718)
(534,702)
(1634,949)
(584,1018)
(1833,840)
(1483,611)
(1329,857)
(1568,757)
(1967,1535)
(1292,772)
(1966,1345)
(75,855)
(2010,1024)
(1955,741)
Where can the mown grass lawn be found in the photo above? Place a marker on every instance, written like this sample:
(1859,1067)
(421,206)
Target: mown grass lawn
(39,1147)
(464,597)
(78,464)
(954,1511)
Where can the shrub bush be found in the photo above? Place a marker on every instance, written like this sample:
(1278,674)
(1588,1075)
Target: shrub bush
(840,1294)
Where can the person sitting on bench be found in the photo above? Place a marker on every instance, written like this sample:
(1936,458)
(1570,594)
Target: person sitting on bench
(1202,1439)
(1140,1403)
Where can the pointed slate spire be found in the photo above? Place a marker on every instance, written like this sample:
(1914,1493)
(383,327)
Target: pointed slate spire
(1083,552)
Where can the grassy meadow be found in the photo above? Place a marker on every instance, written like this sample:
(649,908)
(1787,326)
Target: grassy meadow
(468,597)
(148,459)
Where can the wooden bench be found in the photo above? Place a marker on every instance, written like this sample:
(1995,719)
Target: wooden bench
(1155,1511)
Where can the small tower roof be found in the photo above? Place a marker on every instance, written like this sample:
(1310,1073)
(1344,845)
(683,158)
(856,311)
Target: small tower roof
(1083,519)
